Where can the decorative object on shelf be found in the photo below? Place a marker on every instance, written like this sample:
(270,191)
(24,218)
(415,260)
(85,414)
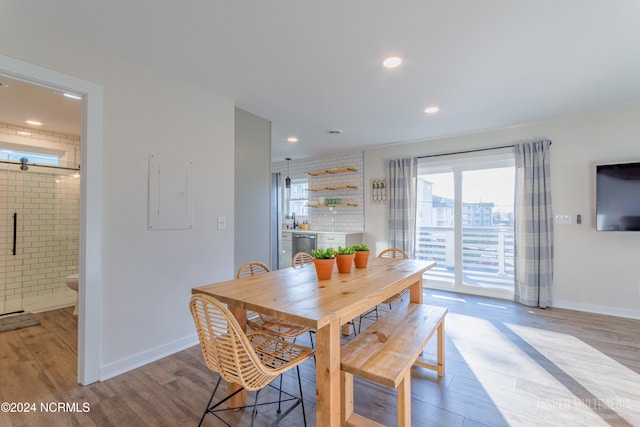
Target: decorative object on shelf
(327,203)
(287,181)
(361,256)
(378,190)
(344,259)
(324,261)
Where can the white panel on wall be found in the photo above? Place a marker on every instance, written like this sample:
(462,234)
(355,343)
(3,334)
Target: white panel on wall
(170,195)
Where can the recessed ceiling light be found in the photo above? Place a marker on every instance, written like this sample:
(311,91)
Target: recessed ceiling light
(432,110)
(392,62)
(34,122)
(23,133)
(292,139)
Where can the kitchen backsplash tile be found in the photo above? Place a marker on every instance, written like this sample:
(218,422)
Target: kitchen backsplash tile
(336,218)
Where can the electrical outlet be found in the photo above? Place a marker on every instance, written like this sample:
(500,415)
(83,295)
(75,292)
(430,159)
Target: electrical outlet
(222,223)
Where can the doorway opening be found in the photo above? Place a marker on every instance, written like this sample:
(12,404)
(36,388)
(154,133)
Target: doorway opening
(90,237)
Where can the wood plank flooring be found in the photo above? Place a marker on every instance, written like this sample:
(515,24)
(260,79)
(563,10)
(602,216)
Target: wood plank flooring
(506,365)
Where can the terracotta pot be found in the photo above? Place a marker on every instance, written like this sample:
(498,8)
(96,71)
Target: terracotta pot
(324,268)
(345,262)
(361,259)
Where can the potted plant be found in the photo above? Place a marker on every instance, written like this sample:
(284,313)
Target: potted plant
(324,260)
(361,255)
(344,259)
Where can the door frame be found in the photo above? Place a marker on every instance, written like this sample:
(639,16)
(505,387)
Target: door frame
(91,221)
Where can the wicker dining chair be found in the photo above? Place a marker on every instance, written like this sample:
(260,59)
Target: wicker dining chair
(252,361)
(301,259)
(395,253)
(262,322)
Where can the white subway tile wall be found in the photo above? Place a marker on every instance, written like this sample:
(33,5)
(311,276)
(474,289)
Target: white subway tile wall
(47,203)
(330,218)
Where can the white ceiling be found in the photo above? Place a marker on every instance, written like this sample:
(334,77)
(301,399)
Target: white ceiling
(312,66)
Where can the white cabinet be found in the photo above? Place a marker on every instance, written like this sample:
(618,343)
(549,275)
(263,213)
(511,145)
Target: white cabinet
(333,240)
(285,253)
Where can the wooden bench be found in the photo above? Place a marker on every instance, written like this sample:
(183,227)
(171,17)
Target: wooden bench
(385,352)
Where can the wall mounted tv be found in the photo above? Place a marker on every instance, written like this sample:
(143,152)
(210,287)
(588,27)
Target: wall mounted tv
(618,197)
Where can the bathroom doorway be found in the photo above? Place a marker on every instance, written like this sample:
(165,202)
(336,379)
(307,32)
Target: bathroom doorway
(40,208)
(90,264)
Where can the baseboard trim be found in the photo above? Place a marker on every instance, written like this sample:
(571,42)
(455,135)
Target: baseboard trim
(597,309)
(130,363)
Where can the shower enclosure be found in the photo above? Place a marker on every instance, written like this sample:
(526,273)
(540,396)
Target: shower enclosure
(39,235)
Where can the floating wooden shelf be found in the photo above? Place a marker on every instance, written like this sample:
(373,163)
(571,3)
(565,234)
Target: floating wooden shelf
(332,171)
(321,205)
(334,187)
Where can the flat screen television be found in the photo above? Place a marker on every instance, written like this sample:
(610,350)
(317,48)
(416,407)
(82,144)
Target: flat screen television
(618,197)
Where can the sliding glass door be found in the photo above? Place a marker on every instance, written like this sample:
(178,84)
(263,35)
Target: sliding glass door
(465,223)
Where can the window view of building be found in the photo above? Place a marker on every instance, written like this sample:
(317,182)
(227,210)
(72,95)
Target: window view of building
(464,222)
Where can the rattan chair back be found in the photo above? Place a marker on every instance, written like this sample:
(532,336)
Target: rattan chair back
(251,268)
(393,253)
(301,259)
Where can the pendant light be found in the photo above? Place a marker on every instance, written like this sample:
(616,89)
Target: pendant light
(287,181)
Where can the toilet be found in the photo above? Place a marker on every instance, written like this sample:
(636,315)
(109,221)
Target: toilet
(72,283)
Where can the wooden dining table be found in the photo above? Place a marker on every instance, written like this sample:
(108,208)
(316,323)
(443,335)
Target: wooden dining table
(296,295)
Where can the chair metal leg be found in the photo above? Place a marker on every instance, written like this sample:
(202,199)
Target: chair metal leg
(375,309)
(255,408)
(254,412)
(279,396)
(206,410)
(304,416)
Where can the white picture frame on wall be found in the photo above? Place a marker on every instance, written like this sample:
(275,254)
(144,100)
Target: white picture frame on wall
(378,188)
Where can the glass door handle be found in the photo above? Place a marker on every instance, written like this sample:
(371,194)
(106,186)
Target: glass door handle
(15,231)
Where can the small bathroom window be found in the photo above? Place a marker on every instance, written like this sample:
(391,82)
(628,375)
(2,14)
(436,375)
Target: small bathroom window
(31,156)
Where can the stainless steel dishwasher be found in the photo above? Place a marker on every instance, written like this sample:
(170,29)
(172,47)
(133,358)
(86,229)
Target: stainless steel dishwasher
(303,242)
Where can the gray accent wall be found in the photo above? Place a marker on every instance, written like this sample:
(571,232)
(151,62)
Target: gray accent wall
(252,188)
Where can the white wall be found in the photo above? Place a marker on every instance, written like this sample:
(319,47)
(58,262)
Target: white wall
(594,271)
(146,275)
(253,186)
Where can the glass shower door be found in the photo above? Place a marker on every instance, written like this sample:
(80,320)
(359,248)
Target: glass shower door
(11,208)
(39,236)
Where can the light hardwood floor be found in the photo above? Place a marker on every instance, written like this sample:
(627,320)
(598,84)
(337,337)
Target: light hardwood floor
(506,365)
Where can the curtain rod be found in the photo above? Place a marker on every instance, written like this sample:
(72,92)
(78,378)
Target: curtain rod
(40,166)
(468,151)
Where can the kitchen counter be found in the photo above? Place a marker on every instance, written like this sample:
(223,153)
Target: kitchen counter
(297,230)
(324,240)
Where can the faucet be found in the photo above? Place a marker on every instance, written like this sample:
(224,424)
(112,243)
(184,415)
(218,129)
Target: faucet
(295,224)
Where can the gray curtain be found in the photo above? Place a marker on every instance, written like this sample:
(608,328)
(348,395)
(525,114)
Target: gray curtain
(533,267)
(402,175)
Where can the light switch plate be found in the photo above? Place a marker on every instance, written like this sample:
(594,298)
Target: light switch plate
(222,223)
(562,219)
